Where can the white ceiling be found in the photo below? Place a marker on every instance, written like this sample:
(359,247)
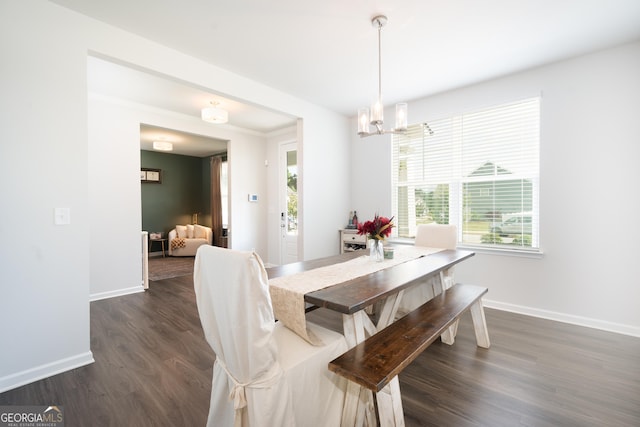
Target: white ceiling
(326,52)
(115,81)
(186,144)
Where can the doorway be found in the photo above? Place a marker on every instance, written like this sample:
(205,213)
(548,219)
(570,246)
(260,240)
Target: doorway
(288,203)
(183,193)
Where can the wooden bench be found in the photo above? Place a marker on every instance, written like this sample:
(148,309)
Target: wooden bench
(376,362)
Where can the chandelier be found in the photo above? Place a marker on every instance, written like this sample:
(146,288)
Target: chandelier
(375,117)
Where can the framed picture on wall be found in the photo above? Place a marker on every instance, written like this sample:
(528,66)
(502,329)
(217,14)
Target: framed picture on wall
(151,175)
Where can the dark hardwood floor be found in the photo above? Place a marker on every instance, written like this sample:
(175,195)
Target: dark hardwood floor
(153,368)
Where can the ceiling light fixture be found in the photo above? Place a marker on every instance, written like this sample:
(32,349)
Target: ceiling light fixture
(214,114)
(375,117)
(162,146)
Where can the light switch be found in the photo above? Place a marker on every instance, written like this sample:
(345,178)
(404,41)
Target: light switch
(62,216)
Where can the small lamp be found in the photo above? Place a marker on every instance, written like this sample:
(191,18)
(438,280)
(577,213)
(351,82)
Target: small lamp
(214,114)
(162,146)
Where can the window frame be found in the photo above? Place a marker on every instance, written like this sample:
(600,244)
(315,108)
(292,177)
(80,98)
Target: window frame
(529,176)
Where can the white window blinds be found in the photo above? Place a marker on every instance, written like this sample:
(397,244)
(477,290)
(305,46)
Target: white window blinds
(478,170)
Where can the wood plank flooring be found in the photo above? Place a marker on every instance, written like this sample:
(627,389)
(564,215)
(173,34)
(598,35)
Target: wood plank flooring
(153,368)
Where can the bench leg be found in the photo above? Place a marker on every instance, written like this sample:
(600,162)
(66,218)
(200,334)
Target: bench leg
(358,407)
(480,324)
(448,337)
(389,405)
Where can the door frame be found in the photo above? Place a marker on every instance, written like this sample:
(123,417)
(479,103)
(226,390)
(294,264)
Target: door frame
(283,148)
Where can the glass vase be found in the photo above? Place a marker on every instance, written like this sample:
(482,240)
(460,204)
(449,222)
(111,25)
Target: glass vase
(376,251)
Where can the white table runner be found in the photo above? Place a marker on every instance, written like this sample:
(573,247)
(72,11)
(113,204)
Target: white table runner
(287,292)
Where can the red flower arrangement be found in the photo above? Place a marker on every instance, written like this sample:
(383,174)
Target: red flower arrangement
(378,229)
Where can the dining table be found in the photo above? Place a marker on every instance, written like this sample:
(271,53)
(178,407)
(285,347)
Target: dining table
(368,297)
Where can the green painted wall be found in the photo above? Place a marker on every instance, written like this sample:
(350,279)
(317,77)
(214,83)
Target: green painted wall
(184,190)
(204,216)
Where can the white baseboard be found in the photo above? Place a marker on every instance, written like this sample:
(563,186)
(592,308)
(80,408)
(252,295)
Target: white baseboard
(116,293)
(44,371)
(565,318)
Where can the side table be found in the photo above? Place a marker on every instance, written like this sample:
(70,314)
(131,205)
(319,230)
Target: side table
(157,240)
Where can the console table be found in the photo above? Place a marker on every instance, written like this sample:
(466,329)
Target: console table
(351,241)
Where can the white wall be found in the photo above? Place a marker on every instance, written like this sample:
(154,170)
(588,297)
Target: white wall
(46,160)
(590,147)
(371,174)
(44,310)
(248,175)
(115,216)
(326,168)
(324,199)
(114,159)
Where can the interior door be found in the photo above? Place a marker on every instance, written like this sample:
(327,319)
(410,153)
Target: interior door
(288,181)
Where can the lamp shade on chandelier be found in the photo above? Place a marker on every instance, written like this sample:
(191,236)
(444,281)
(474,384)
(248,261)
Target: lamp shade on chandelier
(213,114)
(375,116)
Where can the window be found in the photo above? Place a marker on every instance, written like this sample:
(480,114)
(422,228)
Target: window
(478,170)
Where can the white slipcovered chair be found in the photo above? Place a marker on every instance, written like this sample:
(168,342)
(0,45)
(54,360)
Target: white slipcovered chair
(443,236)
(264,374)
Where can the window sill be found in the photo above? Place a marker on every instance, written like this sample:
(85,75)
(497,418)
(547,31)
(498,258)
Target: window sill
(532,253)
(522,253)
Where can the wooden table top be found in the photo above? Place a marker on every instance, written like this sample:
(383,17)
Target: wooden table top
(354,295)
(299,267)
